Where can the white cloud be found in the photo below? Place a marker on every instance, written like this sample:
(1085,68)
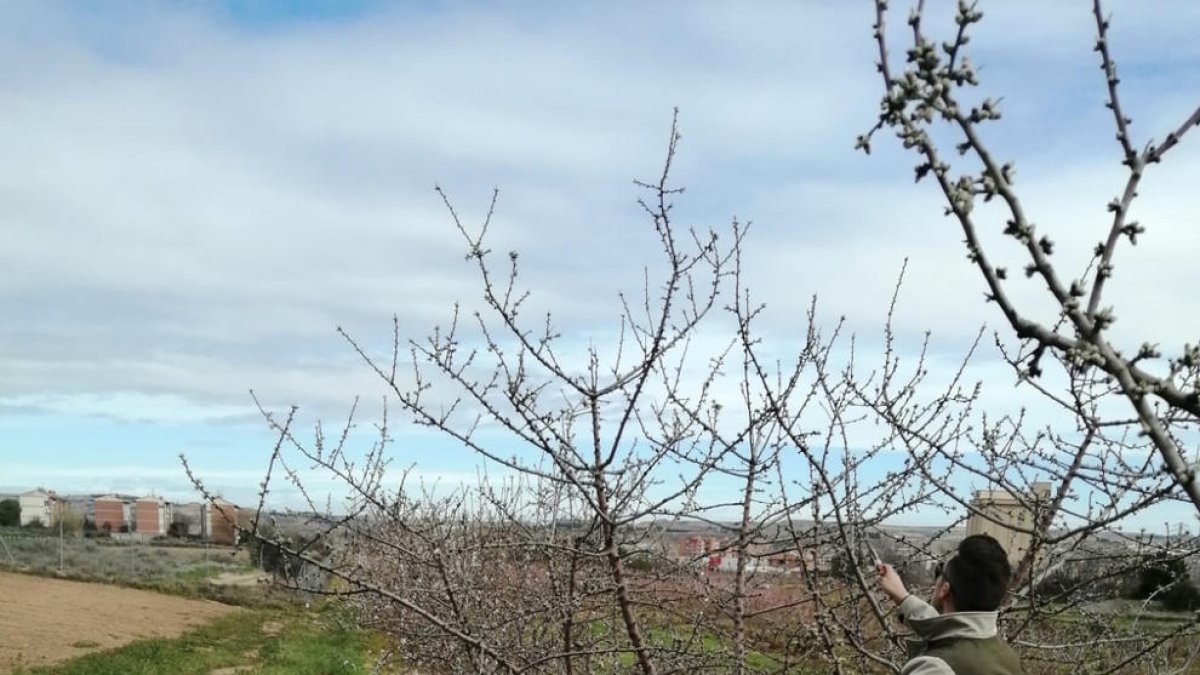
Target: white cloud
(189,208)
(125,406)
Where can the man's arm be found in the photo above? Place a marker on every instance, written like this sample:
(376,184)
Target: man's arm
(926,665)
(913,607)
(910,606)
(891,583)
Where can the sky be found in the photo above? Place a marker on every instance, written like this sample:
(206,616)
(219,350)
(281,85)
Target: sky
(194,196)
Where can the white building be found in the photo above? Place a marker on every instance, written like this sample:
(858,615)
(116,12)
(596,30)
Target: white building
(40,505)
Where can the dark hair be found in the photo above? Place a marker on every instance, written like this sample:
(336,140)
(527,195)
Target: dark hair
(979,574)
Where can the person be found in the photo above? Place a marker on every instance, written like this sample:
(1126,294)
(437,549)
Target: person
(955,634)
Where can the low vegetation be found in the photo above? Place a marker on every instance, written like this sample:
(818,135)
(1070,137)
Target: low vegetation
(253,641)
(215,573)
(276,633)
(103,558)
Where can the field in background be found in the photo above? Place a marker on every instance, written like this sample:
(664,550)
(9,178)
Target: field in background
(54,626)
(214,572)
(152,612)
(112,560)
(265,642)
(48,620)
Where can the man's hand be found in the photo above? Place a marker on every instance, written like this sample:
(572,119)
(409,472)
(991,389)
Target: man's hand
(890,583)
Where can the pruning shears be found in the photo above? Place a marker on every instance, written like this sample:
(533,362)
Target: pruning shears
(875,559)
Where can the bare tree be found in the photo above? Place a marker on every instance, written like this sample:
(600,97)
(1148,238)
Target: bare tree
(932,87)
(1101,468)
(566,561)
(657,504)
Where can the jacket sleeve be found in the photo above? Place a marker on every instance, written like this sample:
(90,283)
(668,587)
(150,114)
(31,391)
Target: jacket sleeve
(915,608)
(926,665)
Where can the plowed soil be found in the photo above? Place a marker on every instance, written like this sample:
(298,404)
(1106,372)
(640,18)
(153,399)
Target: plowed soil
(48,620)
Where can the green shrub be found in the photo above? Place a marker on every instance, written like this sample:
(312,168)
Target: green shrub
(1183,596)
(1166,579)
(10,513)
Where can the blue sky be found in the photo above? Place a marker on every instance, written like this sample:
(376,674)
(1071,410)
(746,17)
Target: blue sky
(194,195)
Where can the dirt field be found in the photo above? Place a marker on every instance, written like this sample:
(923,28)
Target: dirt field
(47,620)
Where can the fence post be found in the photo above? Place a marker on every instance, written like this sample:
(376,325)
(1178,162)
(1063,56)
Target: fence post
(8,551)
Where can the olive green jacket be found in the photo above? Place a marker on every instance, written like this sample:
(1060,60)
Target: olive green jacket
(959,643)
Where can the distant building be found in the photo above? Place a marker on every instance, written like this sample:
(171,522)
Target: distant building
(80,505)
(998,512)
(42,506)
(697,547)
(109,513)
(152,516)
(220,521)
(189,519)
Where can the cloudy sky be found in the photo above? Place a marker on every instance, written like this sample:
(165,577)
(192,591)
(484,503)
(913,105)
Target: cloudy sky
(195,195)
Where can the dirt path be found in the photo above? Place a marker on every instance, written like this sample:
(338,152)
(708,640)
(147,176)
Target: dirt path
(47,620)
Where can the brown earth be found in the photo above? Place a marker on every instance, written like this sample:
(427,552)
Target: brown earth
(47,620)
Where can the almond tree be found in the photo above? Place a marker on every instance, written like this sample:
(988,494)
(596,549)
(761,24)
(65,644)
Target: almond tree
(932,88)
(564,558)
(1104,463)
(560,559)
